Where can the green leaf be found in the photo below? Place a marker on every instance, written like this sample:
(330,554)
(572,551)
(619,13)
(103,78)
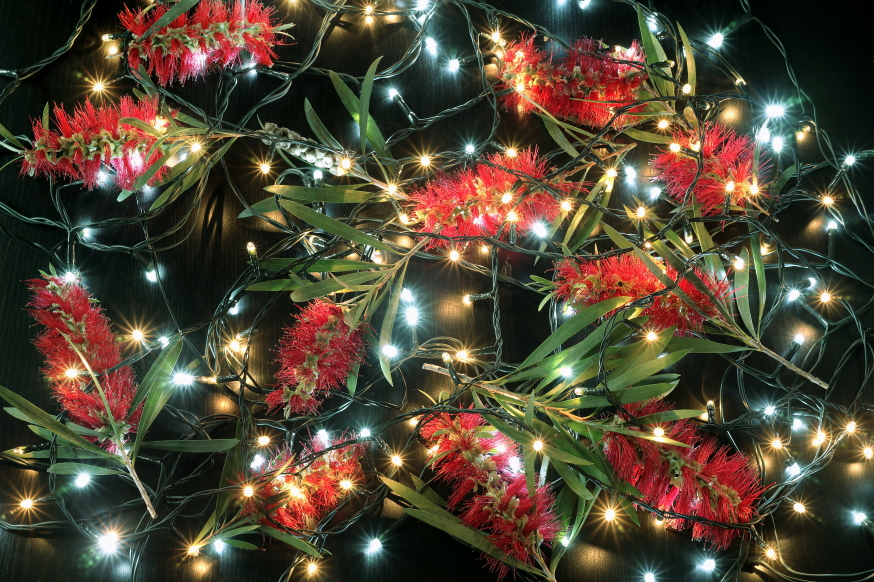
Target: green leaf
(607,427)
(702,346)
(141,125)
(156,167)
(276,285)
(647,136)
(351,281)
(761,281)
(78,468)
(630,510)
(332,226)
(573,480)
(238,531)
(417,499)
(654,54)
(352,379)
(49,435)
(742,292)
(429,493)
(559,137)
(778,184)
(191,446)
(669,416)
(44,419)
(45,116)
(691,75)
(364,103)
(321,265)
(643,371)
(624,396)
(232,468)
(319,128)
(352,104)
(573,326)
(178,9)
(7,135)
(388,322)
(706,244)
(292,541)
(240,544)
(473,538)
(61,453)
(156,389)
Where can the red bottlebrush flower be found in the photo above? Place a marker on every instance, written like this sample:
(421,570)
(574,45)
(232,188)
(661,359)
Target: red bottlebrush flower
(583,283)
(477,201)
(92,137)
(316,482)
(211,37)
(586,85)
(65,308)
(315,356)
(479,466)
(703,480)
(728,160)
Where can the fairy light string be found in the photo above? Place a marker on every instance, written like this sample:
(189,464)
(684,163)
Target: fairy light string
(226,368)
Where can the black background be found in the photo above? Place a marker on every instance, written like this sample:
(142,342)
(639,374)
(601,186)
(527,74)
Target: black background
(826,43)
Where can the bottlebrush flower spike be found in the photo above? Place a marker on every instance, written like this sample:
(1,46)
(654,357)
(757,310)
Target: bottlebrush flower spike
(316,355)
(728,160)
(92,137)
(703,480)
(493,496)
(314,487)
(478,200)
(582,283)
(211,37)
(65,308)
(586,85)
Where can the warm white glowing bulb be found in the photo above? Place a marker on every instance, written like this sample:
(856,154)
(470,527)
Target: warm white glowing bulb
(610,515)
(641,212)
(346,163)
(137,335)
(825,297)
(828,200)
(71,373)
(396,460)
(461,354)
(664,123)
(265,168)
(453,255)
(687,88)
(739,264)
(612,173)
(82,479)
(777,444)
(537,445)
(466,300)
(799,507)
(26,503)
(311,568)
(566,205)
(851,427)
(346,484)
(98,87)
(511,152)
(729,186)
(195,147)
(248,491)
(506,198)
(771,554)
(658,431)
(425,160)
(674,147)
(234,346)
(566,371)
(652,336)
(389,350)
(263,440)
(194,550)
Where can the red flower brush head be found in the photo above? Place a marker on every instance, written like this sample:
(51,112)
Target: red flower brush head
(478,200)
(586,85)
(95,136)
(316,482)
(727,169)
(211,37)
(703,480)
(583,283)
(315,356)
(480,468)
(71,317)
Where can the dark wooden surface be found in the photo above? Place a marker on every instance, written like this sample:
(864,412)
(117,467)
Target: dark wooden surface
(827,46)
